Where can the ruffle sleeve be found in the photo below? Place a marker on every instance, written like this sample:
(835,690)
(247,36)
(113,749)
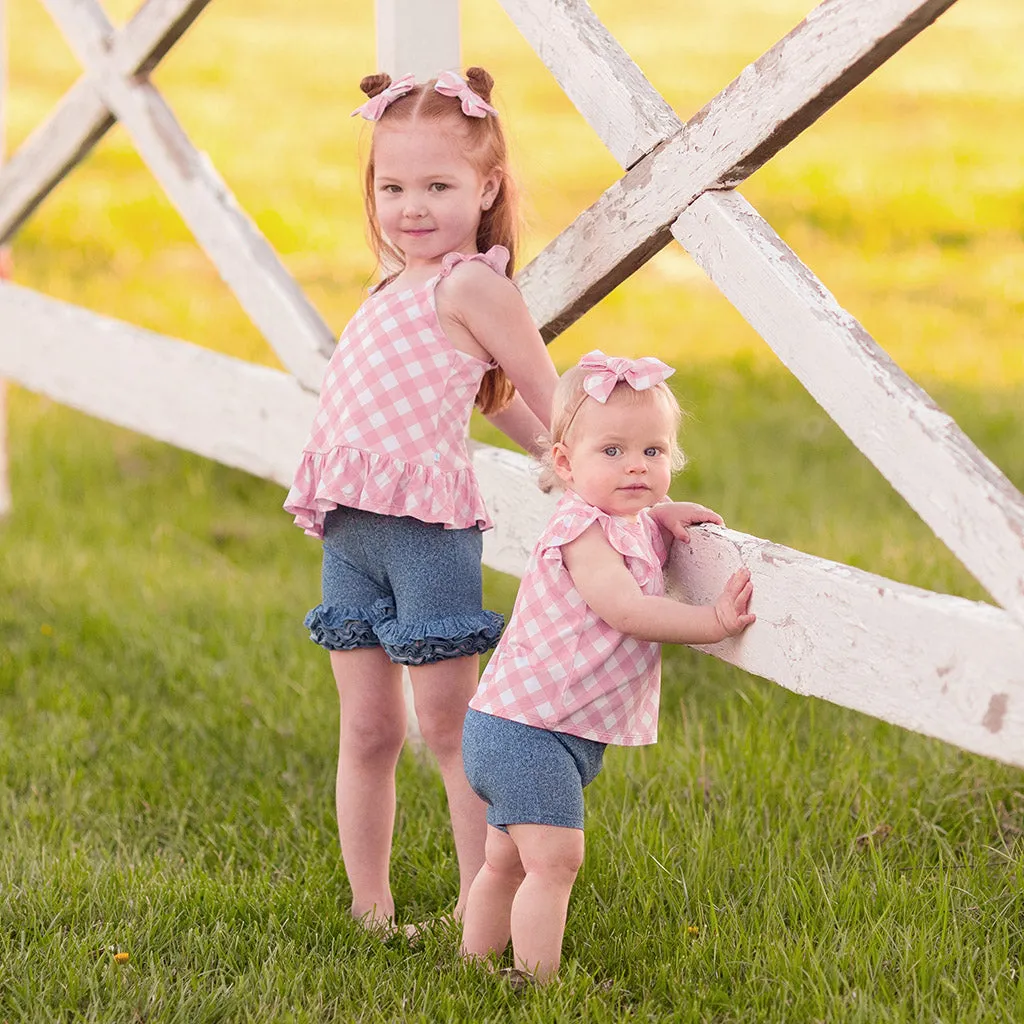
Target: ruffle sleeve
(496,258)
(573,515)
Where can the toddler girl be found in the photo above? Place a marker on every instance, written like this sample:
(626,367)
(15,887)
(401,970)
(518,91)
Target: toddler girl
(579,664)
(385,478)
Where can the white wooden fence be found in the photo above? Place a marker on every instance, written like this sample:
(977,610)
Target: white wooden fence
(937,664)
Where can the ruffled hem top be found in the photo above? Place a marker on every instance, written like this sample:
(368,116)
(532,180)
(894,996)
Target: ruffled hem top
(389,435)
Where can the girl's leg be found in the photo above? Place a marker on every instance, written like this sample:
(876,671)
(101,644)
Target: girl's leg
(372,733)
(551,857)
(442,691)
(487,924)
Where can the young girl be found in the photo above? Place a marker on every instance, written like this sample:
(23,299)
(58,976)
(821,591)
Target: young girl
(386,479)
(579,665)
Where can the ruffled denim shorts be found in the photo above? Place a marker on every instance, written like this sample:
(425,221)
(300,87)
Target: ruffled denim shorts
(412,588)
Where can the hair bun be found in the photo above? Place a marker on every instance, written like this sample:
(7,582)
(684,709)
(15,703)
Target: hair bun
(374,84)
(481,82)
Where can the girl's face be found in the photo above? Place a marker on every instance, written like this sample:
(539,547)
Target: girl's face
(429,196)
(618,456)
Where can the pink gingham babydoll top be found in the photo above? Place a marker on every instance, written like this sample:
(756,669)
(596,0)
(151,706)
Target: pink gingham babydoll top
(558,666)
(389,435)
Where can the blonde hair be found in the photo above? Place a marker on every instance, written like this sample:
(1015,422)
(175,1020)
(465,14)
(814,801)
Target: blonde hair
(569,397)
(484,146)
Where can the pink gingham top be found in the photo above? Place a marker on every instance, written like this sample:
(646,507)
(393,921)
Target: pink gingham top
(560,667)
(389,435)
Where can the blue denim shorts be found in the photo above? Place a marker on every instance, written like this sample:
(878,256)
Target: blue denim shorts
(412,588)
(526,775)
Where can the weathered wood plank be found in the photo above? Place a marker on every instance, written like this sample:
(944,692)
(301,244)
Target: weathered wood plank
(81,118)
(769,104)
(920,450)
(42,161)
(151,32)
(939,665)
(243,415)
(417,36)
(508,481)
(609,90)
(246,261)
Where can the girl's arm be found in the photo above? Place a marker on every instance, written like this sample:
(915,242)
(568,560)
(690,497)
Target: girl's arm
(490,309)
(519,423)
(603,581)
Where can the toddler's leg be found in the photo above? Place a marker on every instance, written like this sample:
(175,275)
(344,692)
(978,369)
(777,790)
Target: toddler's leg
(551,857)
(442,691)
(487,925)
(372,733)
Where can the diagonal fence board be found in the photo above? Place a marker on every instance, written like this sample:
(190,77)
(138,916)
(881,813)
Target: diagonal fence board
(939,665)
(769,104)
(246,261)
(81,118)
(595,72)
(925,456)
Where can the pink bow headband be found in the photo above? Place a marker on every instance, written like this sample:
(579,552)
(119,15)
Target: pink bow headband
(448,84)
(607,371)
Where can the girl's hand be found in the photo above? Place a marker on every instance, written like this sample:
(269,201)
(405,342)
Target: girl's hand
(676,516)
(732,604)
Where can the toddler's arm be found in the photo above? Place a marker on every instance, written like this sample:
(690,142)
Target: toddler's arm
(675,516)
(603,581)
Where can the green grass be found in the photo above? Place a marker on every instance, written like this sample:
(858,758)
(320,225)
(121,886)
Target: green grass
(167,733)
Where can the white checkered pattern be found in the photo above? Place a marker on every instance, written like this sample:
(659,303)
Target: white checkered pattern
(389,435)
(558,666)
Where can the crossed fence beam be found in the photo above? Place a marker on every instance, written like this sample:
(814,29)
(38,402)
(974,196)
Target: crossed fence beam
(959,662)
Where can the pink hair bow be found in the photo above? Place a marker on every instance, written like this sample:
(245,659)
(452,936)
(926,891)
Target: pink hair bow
(375,106)
(607,371)
(450,84)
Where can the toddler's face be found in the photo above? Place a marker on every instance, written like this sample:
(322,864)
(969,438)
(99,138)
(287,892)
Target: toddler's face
(618,456)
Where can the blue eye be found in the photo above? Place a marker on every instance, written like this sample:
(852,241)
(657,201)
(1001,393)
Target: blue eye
(652,453)
(612,450)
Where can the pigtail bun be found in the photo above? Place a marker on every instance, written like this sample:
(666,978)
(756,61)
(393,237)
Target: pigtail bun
(374,84)
(480,82)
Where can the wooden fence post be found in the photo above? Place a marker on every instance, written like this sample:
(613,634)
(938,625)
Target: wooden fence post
(422,37)
(418,36)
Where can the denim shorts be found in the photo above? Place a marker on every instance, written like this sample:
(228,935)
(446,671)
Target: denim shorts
(412,588)
(526,775)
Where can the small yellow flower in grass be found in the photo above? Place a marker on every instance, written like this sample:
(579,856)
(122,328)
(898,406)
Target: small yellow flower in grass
(46,629)
(121,958)
(692,929)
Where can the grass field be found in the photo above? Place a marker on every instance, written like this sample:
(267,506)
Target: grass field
(167,732)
